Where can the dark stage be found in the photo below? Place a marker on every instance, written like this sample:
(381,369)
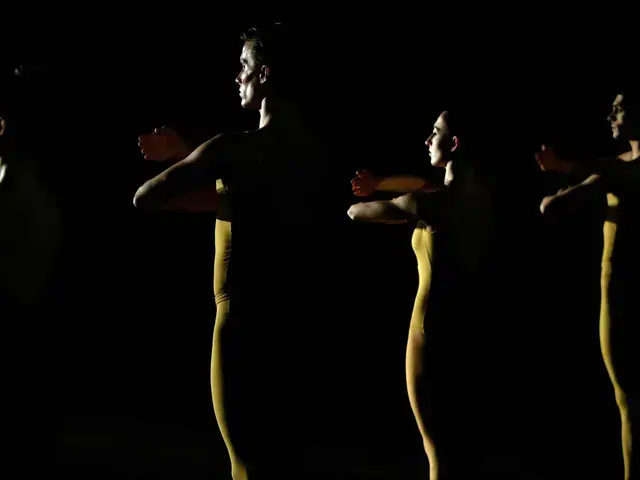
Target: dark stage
(110,349)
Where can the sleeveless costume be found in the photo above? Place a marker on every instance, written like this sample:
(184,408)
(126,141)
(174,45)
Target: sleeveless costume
(262,372)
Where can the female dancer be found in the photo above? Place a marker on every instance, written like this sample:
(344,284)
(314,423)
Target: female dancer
(619,178)
(447,219)
(257,402)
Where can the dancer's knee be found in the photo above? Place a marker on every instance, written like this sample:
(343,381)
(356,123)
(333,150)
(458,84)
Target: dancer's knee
(621,399)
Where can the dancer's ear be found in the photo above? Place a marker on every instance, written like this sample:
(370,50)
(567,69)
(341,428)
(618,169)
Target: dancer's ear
(264,73)
(455,143)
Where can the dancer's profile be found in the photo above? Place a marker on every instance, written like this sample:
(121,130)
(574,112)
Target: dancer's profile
(261,277)
(452,241)
(619,179)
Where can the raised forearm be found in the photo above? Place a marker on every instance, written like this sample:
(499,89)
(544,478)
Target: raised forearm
(380,211)
(401,183)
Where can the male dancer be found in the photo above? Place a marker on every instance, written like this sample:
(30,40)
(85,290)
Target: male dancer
(265,303)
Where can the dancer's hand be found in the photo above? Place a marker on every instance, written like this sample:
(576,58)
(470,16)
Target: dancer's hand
(364,183)
(549,160)
(163,144)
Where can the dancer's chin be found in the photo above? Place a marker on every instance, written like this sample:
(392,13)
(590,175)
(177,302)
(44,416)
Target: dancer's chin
(247,105)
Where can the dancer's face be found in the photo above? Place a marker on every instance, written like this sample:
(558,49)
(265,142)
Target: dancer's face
(624,118)
(617,116)
(441,143)
(251,79)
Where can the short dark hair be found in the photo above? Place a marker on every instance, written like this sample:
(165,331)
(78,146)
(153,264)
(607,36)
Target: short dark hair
(488,141)
(463,115)
(631,101)
(272,47)
(265,41)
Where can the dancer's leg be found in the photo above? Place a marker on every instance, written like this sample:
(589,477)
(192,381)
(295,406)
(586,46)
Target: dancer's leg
(621,397)
(219,373)
(417,391)
(221,363)
(608,345)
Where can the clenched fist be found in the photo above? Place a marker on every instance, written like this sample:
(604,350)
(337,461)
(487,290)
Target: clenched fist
(549,160)
(364,183)
(163,144)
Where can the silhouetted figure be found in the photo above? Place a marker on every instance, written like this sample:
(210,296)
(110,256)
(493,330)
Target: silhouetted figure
(30,247)
(619,179)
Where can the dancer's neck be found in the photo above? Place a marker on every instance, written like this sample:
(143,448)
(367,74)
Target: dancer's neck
(448,173)
(633,153)
(635,149)
(278,114)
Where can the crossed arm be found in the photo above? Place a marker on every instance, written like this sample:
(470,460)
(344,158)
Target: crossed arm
(190,183)
(614,174)
(611,174)
(620,176)
(572,198)
(427,207)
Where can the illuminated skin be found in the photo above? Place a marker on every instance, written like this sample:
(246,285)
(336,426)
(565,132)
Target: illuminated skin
(365,184)
(617,118)
(619,178)
(3,167)
(191,184)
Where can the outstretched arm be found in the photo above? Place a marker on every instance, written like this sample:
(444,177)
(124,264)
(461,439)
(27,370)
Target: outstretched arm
(178,185)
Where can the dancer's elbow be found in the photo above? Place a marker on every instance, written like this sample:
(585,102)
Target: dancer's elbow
(354,212)
(142,200)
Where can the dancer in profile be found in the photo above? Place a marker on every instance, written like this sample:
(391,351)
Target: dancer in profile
(619,179)
(262,283)
(454,241)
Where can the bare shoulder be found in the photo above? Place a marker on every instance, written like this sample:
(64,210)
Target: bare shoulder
(234,145)
(234,140)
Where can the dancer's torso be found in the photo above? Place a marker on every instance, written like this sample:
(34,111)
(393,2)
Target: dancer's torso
(422,243)
(621,260)
(271,205)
